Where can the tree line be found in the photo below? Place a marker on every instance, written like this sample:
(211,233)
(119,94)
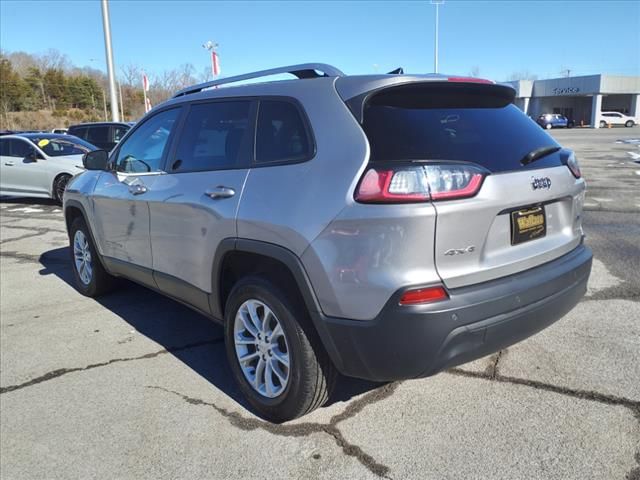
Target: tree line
(50,82)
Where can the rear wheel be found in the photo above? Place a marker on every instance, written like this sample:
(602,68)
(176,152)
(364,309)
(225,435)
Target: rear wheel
(603,124)
(274,354)
(59,186)
(91,278)
(629,123)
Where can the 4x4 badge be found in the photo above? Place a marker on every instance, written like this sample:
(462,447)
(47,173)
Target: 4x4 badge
(540,182)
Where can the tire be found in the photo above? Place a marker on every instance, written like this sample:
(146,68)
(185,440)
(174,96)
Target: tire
(603,124)
(294,391)
(629,123)
(97,282)
(59,186)
(548,126)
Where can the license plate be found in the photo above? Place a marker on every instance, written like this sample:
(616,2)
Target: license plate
(528,224)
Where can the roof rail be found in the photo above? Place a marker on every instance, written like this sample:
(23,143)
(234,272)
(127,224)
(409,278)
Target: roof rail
(304,70)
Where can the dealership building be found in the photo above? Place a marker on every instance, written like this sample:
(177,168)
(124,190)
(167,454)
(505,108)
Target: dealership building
(579,98)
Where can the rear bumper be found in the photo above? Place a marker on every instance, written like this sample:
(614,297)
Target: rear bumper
(413,341)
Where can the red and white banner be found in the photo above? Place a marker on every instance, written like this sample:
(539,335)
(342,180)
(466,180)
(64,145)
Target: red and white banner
(145,82)
(215,64)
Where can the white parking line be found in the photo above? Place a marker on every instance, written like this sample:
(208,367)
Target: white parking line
(27,210)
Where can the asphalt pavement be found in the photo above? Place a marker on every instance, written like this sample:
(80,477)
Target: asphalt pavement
(134,385)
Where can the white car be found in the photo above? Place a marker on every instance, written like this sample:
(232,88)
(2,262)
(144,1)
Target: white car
(40,164)
(616,118)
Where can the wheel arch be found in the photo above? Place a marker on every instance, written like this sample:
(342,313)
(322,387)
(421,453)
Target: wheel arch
(236,258)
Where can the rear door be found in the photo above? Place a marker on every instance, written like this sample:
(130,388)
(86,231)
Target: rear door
(449,123)
(193,207)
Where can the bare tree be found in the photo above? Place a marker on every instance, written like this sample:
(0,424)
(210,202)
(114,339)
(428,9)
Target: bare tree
(522,75)
(132,74)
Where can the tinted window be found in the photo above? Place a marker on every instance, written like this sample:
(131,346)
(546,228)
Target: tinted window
(118,132)
(420,126)
(214,136)
(16,148)
(4,147)
(142,152)
(98,134)
(281,134)
(78,132)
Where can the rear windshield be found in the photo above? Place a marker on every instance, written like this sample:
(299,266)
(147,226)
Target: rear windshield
(440,123)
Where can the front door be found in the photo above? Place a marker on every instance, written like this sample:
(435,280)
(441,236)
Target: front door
(23,169)
(121,209)
(193,207)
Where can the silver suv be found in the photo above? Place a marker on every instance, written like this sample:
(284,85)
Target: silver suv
(380,226)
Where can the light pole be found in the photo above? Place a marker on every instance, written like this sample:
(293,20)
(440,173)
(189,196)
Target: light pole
(437,3)
(113,94)
(211,47)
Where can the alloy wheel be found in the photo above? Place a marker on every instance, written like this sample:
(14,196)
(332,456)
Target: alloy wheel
(82,257)
(261,348)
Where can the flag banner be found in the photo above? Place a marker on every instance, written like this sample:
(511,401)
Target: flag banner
(147,105)
(215,63)
(145,83)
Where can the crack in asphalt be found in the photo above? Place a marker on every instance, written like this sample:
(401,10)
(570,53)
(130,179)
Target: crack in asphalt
(492,369)
(591,395)
(308,428)
(63,371)
(634,473)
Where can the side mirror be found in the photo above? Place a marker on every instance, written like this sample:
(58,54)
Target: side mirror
(96,160)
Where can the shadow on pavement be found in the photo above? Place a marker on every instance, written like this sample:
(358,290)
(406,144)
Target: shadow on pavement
(174,325)
(43,202)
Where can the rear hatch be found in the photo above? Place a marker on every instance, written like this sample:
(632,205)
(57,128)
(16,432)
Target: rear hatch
(505,198)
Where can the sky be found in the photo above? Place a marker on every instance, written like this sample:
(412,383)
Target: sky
(499,38)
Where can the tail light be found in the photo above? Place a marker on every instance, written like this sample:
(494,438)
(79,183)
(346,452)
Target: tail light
(419,183)
(420,296)
(572,163)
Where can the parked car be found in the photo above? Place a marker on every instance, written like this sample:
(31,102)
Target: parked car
(40,164)
(319,224)
(104,135)
(554,120)
(616,118)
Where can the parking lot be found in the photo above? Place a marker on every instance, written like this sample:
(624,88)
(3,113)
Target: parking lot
(135,385)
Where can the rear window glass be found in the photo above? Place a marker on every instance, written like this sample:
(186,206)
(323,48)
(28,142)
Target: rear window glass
(281,135)
(416,127)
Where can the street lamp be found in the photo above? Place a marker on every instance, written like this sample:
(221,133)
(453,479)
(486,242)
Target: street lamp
(437,3)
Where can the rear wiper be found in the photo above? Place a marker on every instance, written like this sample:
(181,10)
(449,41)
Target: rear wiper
(538,153)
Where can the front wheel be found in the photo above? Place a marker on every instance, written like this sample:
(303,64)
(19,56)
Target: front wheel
(629,123)
(603,124)
(548,126)
(274,353)
(59,186)
(91,278)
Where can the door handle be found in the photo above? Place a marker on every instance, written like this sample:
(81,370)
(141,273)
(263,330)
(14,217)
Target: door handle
(137,189)
(220,192)
(9,164)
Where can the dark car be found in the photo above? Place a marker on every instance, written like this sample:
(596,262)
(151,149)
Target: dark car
(554,120)
(103,135)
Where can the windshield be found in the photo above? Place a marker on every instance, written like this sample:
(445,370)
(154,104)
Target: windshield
(59,146)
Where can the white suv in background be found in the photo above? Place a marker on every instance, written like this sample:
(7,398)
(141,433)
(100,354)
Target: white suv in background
(616,118)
